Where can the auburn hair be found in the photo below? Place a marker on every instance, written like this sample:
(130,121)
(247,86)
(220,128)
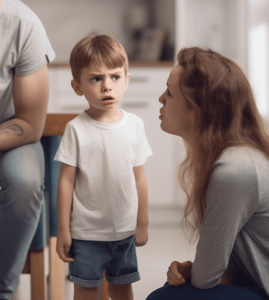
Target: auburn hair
(97,50)
(218,92)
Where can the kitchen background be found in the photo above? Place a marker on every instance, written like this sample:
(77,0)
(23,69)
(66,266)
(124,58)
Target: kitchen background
(152,32)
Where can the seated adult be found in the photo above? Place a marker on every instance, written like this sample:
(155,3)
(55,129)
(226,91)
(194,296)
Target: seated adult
(24,53)
(209,103)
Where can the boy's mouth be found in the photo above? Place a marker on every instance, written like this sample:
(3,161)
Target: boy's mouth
(108,98)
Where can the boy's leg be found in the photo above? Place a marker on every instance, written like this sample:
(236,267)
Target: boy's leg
(87,269)
(82,293)
(122,270)
(120,291)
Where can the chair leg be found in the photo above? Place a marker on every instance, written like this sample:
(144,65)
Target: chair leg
(57,273)
(38,275)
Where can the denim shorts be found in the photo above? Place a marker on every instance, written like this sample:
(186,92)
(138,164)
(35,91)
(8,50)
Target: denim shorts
(92,258)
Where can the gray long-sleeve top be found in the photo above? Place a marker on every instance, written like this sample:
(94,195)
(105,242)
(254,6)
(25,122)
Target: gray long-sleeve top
(234,234)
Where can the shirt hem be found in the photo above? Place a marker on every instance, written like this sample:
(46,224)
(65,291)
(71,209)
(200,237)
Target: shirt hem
(107,237)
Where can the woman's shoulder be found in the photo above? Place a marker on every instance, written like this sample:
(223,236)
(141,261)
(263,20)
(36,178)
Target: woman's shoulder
(238,163)
(241,157)
(235,177)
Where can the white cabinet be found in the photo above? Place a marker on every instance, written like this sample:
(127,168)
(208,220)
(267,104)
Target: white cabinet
(145,87)
(62,98)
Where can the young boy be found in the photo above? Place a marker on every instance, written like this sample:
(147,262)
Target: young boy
(102,193)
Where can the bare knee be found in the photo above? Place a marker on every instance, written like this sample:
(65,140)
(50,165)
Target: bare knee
(82,293)
(120,291)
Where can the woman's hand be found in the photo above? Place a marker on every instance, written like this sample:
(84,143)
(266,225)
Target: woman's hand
(63,245)
(178,273)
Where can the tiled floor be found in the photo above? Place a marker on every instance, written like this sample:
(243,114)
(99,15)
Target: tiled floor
(166,243)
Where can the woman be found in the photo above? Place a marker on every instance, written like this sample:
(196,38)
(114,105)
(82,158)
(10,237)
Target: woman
(209,103)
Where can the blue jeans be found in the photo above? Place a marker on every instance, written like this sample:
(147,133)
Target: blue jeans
(22,174)
(92,258)
(220,292)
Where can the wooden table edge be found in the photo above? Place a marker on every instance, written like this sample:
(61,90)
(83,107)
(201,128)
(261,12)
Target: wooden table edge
(55,123)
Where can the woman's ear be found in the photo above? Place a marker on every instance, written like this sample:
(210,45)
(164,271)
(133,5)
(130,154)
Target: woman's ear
(76,87)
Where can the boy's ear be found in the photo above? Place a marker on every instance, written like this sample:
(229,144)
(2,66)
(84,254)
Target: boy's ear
(76,87)
(127,78)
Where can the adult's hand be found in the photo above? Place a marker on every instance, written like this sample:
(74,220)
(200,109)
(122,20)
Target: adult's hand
(30,96)
(178,273)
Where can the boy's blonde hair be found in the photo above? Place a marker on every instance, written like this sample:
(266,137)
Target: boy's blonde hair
(97,50)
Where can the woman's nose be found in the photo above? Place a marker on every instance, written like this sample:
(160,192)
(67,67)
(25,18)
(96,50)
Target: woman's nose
(161,99)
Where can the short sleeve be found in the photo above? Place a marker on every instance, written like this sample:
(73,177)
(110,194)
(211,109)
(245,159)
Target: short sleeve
(68,149)
(35,50)
(144,149)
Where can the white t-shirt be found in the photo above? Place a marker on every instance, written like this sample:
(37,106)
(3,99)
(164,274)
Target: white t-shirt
(105,197)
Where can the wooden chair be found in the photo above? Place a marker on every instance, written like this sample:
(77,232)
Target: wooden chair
(35,266)
(45,238)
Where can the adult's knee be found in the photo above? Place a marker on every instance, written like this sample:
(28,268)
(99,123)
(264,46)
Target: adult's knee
(24,194)
(22,179)
(28,189)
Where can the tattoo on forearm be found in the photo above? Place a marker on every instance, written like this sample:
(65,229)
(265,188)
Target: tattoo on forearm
(11,128)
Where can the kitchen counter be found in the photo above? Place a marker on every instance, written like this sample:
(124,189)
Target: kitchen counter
(131,64)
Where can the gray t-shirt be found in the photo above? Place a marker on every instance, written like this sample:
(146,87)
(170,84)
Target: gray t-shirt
(234,235)
(24,49)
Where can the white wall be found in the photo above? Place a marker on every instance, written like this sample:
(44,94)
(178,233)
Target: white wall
(259,53)
(67,21)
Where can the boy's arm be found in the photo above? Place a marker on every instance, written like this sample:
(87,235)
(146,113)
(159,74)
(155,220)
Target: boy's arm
(141,233)
(64,206)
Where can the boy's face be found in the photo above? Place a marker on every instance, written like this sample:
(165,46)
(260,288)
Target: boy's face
(102,87)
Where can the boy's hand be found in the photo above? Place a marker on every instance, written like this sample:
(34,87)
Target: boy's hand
(178,273)
(141,236)
(63,245)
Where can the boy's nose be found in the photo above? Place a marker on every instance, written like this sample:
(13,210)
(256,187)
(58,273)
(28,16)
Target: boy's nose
(107,89)
(107,85)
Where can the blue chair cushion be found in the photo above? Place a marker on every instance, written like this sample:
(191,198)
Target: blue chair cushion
(52,173)
(40,239)
(48,219)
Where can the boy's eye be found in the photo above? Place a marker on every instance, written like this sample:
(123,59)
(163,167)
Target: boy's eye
(116,77)
(168,93)
(96,79)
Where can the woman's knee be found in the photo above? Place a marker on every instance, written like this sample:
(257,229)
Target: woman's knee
(164,293)
(187,291)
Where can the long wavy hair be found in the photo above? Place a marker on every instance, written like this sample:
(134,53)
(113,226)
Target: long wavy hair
(218,92)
